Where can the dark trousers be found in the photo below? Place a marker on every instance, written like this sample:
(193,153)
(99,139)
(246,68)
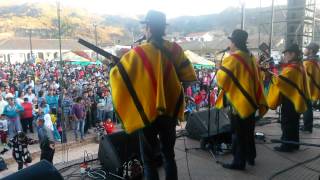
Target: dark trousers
(88,120)
(93,117)
(20,165)
(289,124)
(47,154)
(308,118)
(243,144)
(165,127)
(27,124)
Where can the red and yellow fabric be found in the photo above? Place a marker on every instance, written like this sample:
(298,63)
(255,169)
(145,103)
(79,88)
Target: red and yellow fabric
(291,83)
(239,79)
(312,70)
(156,80)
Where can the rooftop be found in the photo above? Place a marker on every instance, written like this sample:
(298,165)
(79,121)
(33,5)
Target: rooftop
(39,44)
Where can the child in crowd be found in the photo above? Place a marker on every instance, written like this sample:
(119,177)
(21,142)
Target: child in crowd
(53,118)
(108,126)
(19,144)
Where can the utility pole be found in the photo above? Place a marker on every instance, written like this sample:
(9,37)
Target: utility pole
(30,44)
(59,28)
(259,27)
(96,38)
(271,28)
(242,13)
(314,21)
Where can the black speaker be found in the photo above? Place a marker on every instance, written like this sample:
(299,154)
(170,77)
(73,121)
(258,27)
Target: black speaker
(40,170)
(197,124)
(117,148)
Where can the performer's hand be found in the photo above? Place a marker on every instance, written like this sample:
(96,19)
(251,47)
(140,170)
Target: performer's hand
(51,146)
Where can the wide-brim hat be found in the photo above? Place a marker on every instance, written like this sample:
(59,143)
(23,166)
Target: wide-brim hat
(155,18)
(313,46)
(293,48)
(239,36)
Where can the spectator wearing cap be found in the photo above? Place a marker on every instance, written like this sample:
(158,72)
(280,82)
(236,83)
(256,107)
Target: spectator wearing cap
(27,117)
(312,69)
(289,90)
(12,112)
(239,80)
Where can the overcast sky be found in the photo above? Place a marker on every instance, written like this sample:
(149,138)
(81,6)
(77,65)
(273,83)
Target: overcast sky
(172,8)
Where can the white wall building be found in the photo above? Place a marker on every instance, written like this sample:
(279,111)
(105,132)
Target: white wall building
(16,50)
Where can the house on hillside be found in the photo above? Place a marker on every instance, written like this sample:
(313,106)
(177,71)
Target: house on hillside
(16,50)
(199,36)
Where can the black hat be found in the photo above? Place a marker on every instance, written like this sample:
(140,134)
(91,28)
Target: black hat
(293,48)
(239,36)
(314,47)
(155,18)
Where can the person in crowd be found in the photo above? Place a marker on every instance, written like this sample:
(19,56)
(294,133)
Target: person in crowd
(109,106)
(12,111)
(158,102)
(198,100)
(243,94)
(93,110)
(21,96)
(312,70)
(27,116)
(87,105)
(41,96)
(52,99)
(78,112)
(30,94)
(289,90)
(101,108)
(3,104)
(19,145)
(46,139)
(3,129)
(66,106)
(45,107)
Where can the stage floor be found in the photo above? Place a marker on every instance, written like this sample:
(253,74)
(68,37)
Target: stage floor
(203,167)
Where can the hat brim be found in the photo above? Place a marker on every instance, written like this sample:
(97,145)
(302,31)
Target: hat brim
(147,22)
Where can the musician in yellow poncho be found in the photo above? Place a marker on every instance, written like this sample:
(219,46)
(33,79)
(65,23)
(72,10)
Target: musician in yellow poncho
(241,88)
(147,93)
(289,89)
(312,70)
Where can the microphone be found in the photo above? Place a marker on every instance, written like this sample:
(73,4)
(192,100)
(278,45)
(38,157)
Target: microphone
(142,38)
(223,51)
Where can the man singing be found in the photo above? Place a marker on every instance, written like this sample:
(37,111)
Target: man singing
(147,93)
(242,92)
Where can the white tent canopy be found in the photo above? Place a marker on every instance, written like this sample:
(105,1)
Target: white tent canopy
(198,60)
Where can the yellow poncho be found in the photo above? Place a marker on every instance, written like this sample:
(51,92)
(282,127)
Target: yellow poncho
(240,82)
(290,83)
(312,70)
(155,78)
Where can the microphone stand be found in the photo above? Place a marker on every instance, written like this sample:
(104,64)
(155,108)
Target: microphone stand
(205,143)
